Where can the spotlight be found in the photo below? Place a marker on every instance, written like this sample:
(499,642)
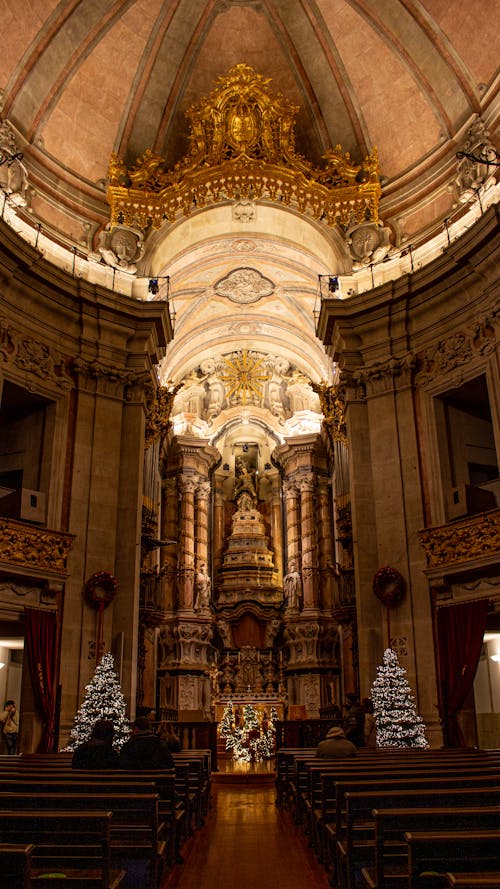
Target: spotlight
(333,285)
(245,448)
(153,286)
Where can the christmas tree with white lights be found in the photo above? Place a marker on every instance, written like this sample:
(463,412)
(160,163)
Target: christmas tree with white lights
(398,723)
(103,700)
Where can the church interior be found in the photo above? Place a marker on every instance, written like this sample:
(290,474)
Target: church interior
(249,360)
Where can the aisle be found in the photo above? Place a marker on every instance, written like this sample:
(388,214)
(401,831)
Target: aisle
(247,843)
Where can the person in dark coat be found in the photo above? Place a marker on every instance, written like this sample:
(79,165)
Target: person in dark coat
(144,749)
(98,752)
(354,721)
(335,745)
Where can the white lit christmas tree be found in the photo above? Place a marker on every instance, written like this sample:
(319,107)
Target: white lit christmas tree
(398,723)
(249,740)
(103,700)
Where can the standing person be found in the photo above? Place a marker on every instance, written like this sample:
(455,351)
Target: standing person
(336,745)
(144,749)
(98,752)
(168,734)
(10,726)
(354,721)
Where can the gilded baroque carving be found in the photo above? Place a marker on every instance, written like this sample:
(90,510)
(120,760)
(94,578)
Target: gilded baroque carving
(467,540)
(33,357)
(34,547)
(247,377)
(242,149)
(332,405)
(159,404)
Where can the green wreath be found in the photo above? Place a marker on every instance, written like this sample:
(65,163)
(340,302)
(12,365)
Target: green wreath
(101,589)
(389,586)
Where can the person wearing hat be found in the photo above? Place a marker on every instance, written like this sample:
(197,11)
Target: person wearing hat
(145,749)
(336,745)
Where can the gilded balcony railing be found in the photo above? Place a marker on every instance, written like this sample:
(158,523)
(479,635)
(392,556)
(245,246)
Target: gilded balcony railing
(470,542)
(37,551)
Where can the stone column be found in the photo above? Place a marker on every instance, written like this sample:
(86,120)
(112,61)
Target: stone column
(325,543)
(218,525)
(185,569)
(201,523)
(169,531)
(308,521)
(277,526)
(292,519)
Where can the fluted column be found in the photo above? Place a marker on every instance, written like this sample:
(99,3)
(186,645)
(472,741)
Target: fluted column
(292,515)
(218,525)
(308,536)
(169,531)
(185,569)
(325,542)
(201,523)
(277,526)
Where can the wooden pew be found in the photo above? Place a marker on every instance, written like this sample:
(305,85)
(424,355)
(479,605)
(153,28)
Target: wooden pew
(432,854)
(327,812)
(474,881)
(74,844)
(15,864)
(384,862)
(335,830)
(136,830)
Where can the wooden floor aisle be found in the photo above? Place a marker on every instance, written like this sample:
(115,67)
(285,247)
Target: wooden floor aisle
(247,843)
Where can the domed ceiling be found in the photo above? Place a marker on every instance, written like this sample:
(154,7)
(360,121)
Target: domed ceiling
(81,80)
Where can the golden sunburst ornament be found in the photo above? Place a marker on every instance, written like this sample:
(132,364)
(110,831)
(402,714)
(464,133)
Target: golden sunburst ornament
(244,376)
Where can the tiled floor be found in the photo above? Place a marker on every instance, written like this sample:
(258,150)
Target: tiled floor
(247,843)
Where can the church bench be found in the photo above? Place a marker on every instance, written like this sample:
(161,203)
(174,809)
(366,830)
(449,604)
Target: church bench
(479,880)
(334,829)
(77,845)
(431,854)
(383,860)
(321,804)
(15,864)
(137,832)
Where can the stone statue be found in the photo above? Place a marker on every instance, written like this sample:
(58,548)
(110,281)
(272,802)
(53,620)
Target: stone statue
(292,585)
(203,588)
(272,629)
(225,633)
(244,484)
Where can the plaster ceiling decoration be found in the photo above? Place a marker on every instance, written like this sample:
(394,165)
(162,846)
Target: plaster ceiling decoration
(81,80)
(244,285)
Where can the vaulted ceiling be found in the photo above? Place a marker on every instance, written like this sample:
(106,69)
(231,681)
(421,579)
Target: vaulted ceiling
(83,78)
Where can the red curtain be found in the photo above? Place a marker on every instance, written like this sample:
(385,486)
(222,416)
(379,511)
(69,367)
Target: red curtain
(460,637)
(40,653)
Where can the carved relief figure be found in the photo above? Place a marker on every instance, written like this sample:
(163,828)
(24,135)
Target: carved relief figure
(122,247)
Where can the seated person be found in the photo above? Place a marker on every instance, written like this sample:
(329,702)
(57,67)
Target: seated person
(168,734)
(98,752)
(336,745)
(144,749)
